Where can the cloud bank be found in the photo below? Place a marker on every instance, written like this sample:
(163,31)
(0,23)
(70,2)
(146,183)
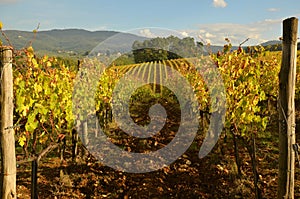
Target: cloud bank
(257,32)
(219,3)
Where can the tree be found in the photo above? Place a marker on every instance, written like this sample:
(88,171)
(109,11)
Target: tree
(159,48)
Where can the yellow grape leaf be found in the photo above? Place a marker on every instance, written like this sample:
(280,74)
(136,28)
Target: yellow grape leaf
(30,50)
(24,110)
(22,140)
(49,64)
(45,58)
(34,62)
(31,124)
(43,139)
(38,88)
(1,25)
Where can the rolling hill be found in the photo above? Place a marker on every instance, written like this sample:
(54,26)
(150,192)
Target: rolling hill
(66,41)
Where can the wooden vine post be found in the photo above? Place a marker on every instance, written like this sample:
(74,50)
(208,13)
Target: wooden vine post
(286,104)
(8,157)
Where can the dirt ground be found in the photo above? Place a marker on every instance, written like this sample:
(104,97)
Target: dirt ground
(214,176)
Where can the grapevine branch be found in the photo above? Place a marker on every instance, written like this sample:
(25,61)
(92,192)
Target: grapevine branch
(34,35)
(40,155)
(244,41)
(43,152)
(6,37)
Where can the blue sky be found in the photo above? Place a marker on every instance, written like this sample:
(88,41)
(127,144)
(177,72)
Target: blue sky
(207,20)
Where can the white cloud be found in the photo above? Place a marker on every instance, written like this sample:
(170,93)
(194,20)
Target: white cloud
(219,3)
(209,35)
(273,9)
(146,33)
(271,21)
(184,34)
(235,32)
(257,32)
(97,28)
(207,41)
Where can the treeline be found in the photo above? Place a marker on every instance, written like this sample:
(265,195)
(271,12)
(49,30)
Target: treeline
(161,48)
(278,47)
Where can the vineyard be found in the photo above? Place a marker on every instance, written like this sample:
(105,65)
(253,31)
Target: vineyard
(56,121)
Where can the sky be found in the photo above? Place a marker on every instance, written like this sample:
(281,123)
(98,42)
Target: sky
(209,21)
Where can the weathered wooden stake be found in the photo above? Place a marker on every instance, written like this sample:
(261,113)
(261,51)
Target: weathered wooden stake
(7,139)
(286,104)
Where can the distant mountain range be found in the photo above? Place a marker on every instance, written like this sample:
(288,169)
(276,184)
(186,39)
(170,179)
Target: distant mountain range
(69,41)
(276,45)
(81,42)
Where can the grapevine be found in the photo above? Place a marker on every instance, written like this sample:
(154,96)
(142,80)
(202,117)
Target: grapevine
(43,98)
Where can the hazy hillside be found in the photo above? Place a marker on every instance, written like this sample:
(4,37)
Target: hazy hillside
(69,41)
